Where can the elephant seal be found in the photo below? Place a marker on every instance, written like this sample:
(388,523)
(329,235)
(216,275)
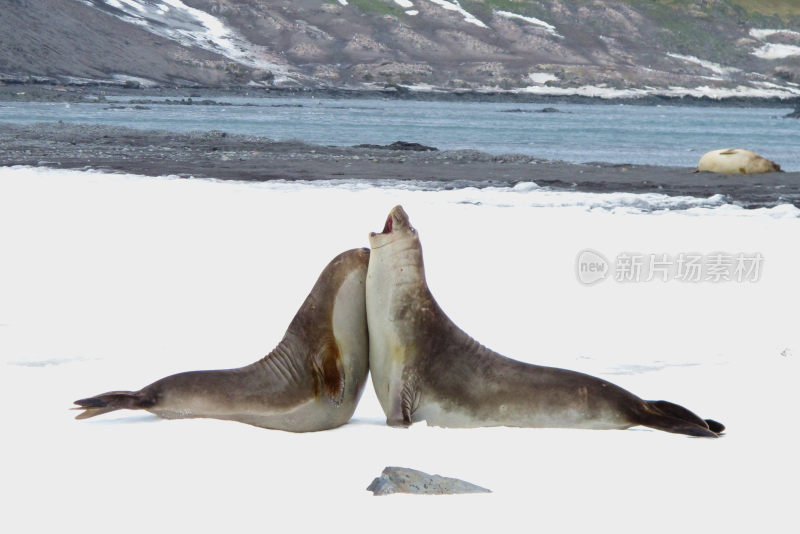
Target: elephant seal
(424,368)
(311,381)
(736,161)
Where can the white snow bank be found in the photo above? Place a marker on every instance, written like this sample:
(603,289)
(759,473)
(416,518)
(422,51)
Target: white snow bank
(531,20)
(193,27)
(762,34)
(455,6)
(776,51)
(529,194)
(131,3)
(112,281)
(420,87)
(701,91)
(144,82)
(584,90)
(710,65)
(542,77)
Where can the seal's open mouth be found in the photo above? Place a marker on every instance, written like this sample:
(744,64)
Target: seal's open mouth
(387,228)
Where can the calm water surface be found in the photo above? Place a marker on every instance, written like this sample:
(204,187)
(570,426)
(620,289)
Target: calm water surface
(657,135)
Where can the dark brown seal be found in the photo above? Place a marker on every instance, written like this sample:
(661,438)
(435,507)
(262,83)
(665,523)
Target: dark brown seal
(311,381)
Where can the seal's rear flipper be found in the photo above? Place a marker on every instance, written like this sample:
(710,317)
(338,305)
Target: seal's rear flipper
(715,426)
(113,400)
(671,424)
(669,417)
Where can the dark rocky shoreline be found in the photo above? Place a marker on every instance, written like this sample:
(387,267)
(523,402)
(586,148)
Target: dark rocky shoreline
(215,154)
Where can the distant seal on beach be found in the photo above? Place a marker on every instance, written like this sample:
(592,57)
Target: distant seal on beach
(424,368)
(736,161)
(311,381)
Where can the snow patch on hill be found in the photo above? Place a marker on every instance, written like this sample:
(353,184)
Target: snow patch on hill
(408,6)
(542,78)
(716,68)
(455,6)
(762,34)
(190,27)
(774,50)
(531,20)
(600,91)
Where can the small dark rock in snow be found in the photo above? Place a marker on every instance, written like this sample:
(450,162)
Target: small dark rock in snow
(404,480)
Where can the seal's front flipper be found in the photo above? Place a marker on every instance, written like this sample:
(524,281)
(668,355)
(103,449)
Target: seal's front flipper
(113,400)
(329,372)
(669,417)
(406,404)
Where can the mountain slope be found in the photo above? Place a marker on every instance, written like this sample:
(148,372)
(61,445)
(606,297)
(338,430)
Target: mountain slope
(67,39)
(549,46)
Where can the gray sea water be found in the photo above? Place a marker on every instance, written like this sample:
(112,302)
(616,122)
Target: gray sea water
(617,133)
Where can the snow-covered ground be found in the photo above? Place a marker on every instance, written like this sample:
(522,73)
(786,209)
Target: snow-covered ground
(112,281)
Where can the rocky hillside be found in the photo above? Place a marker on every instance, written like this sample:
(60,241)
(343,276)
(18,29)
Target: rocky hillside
(599,47)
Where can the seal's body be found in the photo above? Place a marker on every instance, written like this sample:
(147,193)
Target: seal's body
(736,161)
(311,381)
(424,368)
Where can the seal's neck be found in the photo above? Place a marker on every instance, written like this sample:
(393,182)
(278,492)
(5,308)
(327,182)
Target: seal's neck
(400,261)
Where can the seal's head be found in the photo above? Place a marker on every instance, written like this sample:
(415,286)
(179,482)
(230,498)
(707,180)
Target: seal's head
(396,230)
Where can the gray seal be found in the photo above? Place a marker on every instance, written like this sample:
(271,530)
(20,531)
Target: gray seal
(424,368)
(311,381)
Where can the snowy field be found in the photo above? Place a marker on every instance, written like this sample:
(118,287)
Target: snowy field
(111,282)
